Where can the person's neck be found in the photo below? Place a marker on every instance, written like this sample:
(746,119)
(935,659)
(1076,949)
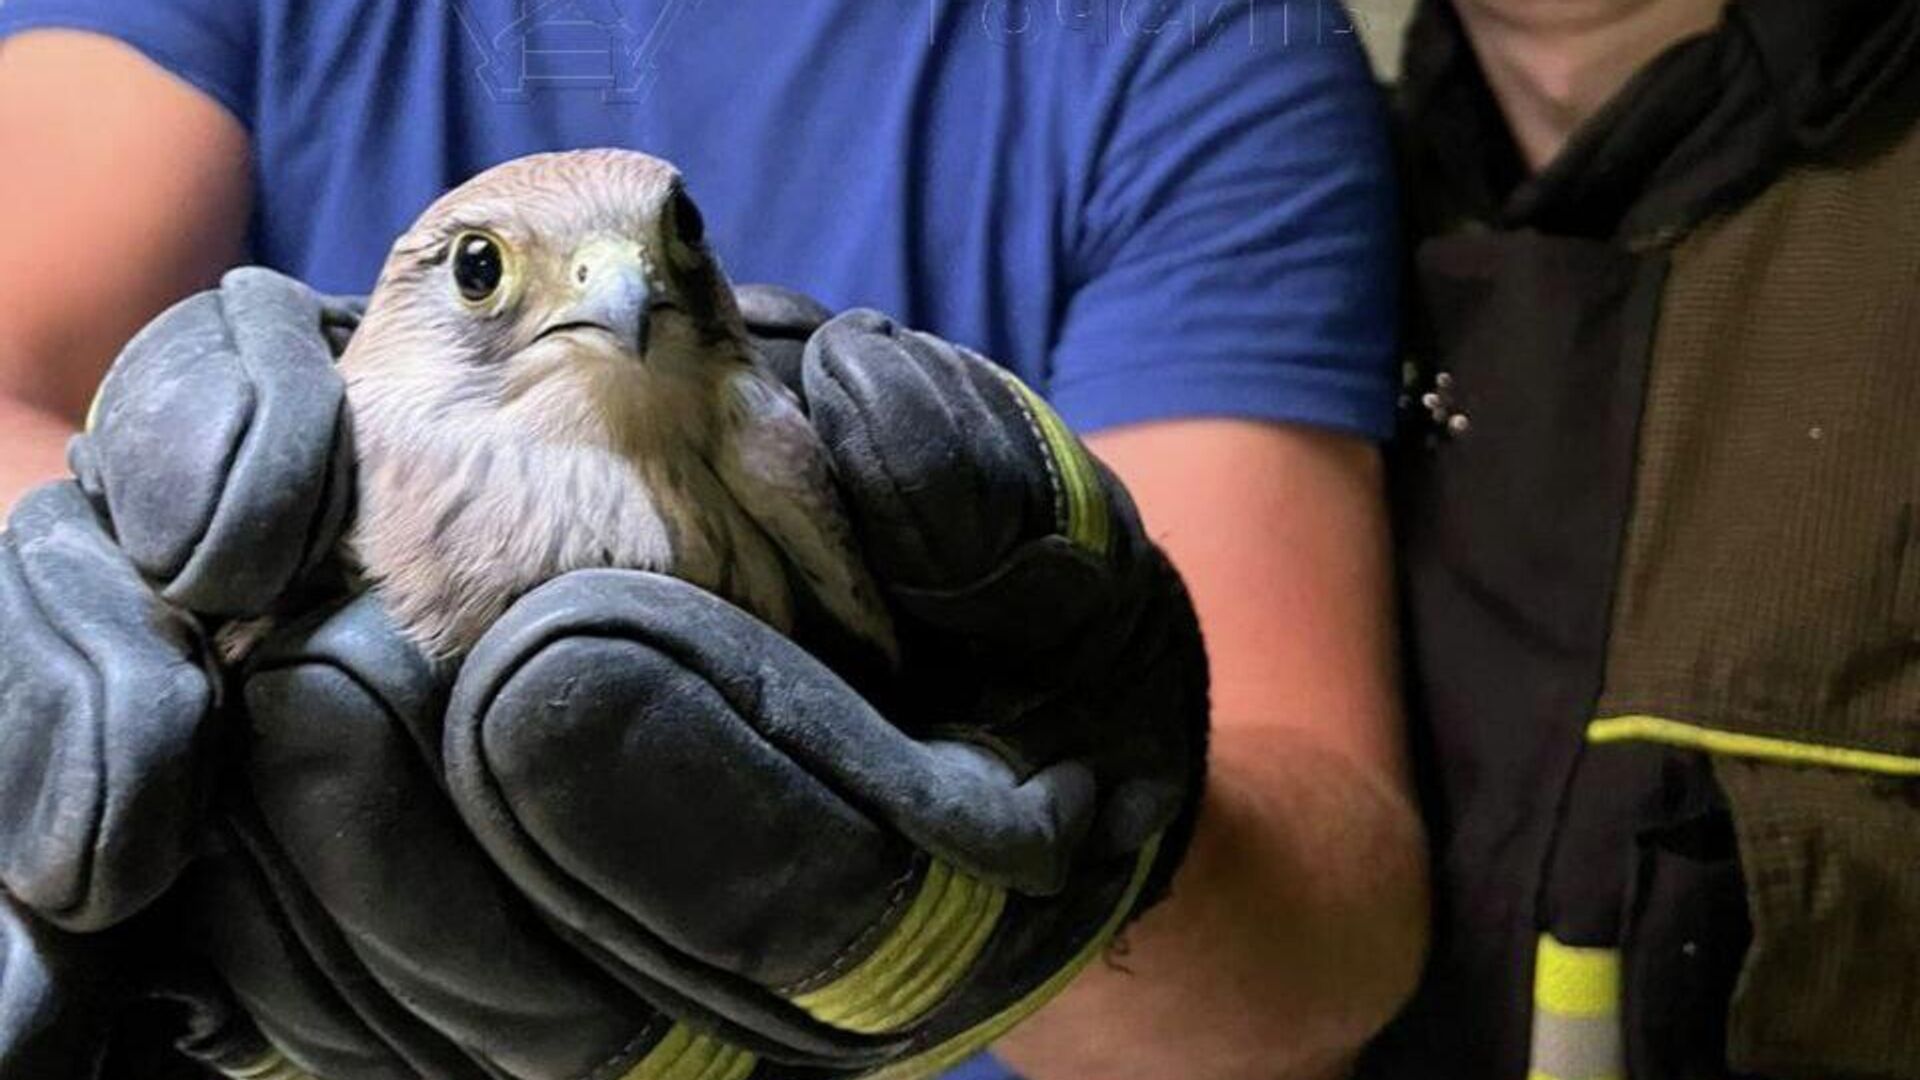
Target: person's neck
(1554,63)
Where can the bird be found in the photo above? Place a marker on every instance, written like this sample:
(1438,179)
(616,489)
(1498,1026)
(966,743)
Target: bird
(553,374)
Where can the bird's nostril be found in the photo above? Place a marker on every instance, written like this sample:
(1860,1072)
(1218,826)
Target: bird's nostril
(580,273)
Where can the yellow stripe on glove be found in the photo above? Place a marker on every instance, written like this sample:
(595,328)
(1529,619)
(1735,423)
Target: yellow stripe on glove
(927,952)
(686,1054)
(939,1059)
(1080,496)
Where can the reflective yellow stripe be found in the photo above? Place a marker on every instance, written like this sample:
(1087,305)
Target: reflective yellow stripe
(274,1066)
(688,1055)
(1576,1007)
(923,956)
(1575,982)
(1733,744)
(939,1059)
(1082,511)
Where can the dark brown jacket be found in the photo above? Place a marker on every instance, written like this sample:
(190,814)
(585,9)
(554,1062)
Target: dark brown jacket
(1659,502)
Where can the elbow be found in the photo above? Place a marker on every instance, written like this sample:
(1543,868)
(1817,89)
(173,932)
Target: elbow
(1361,901)
(1400,900)
(1296,931)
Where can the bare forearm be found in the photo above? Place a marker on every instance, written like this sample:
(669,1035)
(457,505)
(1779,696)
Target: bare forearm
(33,447)
(90,254)
(1295,931)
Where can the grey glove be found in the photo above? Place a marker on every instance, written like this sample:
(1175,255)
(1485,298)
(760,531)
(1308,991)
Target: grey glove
(105,702)
(216,476)
(219,444)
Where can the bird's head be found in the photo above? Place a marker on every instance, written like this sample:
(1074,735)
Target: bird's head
(577,284)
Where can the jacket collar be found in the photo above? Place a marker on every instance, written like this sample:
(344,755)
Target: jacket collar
(1704,125)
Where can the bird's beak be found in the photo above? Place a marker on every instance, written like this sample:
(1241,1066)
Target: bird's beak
(612,292)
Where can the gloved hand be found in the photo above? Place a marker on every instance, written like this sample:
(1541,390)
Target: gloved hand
(697,847)
(683,843)
(217,470)
(104,707)
(213,478)
(218,448)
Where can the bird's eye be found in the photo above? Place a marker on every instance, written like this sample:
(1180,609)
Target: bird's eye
(479,266)
(689,227)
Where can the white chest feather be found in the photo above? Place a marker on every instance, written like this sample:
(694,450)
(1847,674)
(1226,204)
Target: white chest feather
(453,530)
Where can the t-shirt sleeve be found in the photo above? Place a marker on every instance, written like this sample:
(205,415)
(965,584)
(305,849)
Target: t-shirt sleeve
(211,44)
(1237,245)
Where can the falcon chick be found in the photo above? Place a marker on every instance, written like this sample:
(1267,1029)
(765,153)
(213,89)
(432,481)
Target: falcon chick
(552,375)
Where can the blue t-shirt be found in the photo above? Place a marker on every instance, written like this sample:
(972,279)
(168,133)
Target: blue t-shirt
(1149,209)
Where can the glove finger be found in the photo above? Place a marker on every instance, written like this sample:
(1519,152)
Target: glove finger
(783,357)
(690,789)
(1057,630)
(941,471)
(219,442)
(981,513)
(103,722)
(340,319)
(354,811)
(293,971)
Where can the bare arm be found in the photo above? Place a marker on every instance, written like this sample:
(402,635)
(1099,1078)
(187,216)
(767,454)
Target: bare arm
(124,189)
(1297,926)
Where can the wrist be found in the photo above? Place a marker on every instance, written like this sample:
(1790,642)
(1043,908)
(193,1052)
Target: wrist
(1295,930)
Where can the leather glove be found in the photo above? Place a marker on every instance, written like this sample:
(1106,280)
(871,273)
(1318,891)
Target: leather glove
(104,706)
(218,465)
(213,478)
(678,842)
(216,446)
(219,448)
(370,937)
(349,910)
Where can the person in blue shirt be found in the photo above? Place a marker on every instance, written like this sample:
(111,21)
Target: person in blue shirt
(1175,220)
